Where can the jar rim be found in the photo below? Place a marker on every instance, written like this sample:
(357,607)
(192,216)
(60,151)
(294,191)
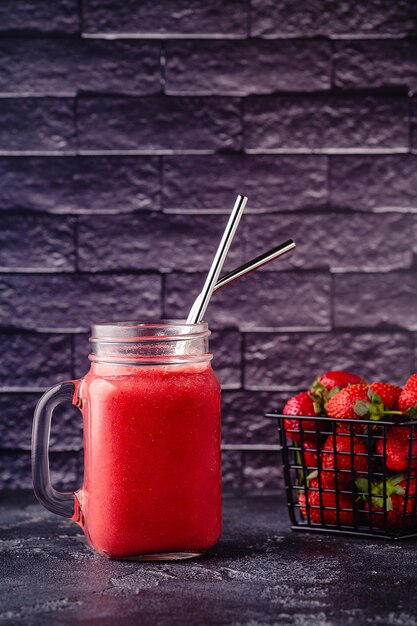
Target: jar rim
(135,331)
(150,343)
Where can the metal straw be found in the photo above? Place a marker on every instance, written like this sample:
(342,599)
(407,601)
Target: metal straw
(253,265)
(200,305)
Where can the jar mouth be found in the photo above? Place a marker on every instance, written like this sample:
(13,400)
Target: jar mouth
(140,331)
(150,343)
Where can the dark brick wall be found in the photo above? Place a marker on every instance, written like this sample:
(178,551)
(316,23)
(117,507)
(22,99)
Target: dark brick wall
(126,130)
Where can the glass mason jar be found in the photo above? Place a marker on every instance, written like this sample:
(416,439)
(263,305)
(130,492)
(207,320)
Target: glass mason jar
(152,469)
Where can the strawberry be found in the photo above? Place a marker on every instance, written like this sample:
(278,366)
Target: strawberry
(328,384)
(388,393)
(398,448)
(310,454)
(407,402)
(301,404)
(347,465)
(395,500)
(329,501)
(338,378)
(372,402)
(344,404)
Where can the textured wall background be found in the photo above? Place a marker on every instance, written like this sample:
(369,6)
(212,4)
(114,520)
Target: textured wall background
(126,130)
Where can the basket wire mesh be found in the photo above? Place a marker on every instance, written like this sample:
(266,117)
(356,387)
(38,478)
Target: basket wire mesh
(342,499)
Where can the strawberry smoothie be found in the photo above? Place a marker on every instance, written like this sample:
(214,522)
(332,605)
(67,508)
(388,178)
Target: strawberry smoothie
(152,459)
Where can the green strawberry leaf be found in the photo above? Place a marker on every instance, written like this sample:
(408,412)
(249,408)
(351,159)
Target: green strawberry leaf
(312,475)
(318,398)
(333,391)
(362,408)
(412,412)
(392,487)
(318,407)
(378,501)
(317,386)
(396,480)
(389,504)
(377,409)
(362,485)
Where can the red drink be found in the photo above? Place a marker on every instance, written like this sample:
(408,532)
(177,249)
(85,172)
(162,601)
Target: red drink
(152,470)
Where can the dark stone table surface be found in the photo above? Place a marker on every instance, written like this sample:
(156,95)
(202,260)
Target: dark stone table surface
(261,573)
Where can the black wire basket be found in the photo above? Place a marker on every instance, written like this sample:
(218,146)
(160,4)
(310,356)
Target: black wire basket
(341,475)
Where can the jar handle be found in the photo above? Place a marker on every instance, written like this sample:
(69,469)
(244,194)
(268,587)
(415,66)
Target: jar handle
(61,503)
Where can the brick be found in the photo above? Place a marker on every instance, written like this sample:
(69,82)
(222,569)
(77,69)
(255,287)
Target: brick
(293,360)
(326,240)
(232,469)
(16,417)
(74,302)
(326,123)
(29,242)
(15,470)
(365,64)
(262,470)
(376,182)
(37,124)
(34,360)
(245,67)
(274,182)
(166,17)
(81,352)
(224,344)
(42,16)
(80,184)
(243,416)
(379,300)
(159,123)
(67,66)
(153,241)
(325,17)
(262,300)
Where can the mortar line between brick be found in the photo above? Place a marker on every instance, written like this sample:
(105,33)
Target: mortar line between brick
(322,271)
(340,330)
(107,272)
(114,36)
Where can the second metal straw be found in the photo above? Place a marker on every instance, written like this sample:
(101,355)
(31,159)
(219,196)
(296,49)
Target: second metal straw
(252,265)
